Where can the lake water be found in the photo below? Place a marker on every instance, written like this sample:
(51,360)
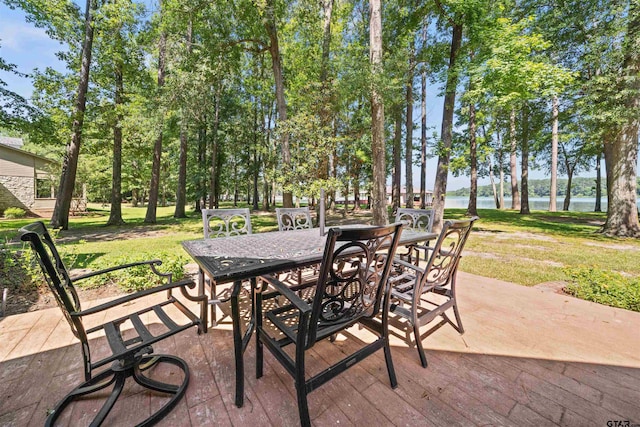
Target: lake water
(578,204)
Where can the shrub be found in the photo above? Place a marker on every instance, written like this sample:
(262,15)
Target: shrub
(139,277)
(604,287)
(13,213)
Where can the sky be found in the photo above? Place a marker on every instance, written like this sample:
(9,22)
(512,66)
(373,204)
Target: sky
(29,48)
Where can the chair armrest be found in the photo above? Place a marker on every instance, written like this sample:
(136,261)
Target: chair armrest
(405,264)
(152,263)
(284,290)
(130,297)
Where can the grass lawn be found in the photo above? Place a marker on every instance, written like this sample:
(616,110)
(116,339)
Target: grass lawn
(524,249)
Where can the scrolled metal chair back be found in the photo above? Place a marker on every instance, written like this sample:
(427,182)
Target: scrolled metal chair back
(55,273)
(445,255)
(353,275)
(293,218)
(226,222)
(416,219)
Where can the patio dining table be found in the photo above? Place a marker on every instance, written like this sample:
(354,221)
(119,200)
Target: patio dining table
(246,257)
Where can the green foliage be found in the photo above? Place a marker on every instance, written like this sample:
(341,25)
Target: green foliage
(139,277)
(13,213)
(580,187)
(604,287)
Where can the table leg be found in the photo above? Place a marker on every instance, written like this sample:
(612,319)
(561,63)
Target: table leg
(240,340)
(203,308)
(237,342)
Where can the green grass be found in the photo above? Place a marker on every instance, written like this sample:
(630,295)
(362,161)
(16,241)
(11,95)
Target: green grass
(524,249)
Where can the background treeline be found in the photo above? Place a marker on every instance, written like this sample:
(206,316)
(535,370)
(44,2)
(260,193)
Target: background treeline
(580,187)
(200,101)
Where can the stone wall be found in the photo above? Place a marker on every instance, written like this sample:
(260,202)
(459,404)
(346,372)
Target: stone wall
(16,192)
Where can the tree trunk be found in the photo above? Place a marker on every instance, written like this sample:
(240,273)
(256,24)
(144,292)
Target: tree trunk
(409,127)
(515,195)
(423,140)
(397,160)
(60,216)
(440,186)
(201,190)
(154,186)
(378,190)
(276,64)
(215,172)
(115,215)
(567,196)
(473,191)
(493,184)
(524,183)
(501,168)
(181,191)
(598,207)
(553,190)
(621,153)
(256,170)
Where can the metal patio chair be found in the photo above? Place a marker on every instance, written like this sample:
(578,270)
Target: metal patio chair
(226,222)
(419,295)
(293,218)
(415,219)
(223,223)
(290,219)
(130,356)
(352,288)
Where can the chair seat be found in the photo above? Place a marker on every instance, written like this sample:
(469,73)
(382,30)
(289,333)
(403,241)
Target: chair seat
(122,348)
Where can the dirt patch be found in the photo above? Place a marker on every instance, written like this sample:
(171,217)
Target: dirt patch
(613,246)
(570,220)
(38,299)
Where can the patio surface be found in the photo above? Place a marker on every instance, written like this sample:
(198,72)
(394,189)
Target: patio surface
(528,357)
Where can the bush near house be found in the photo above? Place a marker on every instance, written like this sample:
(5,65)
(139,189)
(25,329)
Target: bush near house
(14,213)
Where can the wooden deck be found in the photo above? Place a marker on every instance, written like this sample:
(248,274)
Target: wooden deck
(529,357)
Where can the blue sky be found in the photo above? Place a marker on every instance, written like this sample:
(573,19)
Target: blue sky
(28,47)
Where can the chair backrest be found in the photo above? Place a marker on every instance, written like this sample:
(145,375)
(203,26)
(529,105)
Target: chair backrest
(293,218)
(445,255)
(55,273)
(226,222)
(416,219)
(353,276)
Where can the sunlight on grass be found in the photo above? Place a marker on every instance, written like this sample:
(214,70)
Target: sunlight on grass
(525,249)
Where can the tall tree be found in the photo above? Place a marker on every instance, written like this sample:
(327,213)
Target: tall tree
(553,187)
(60,216)
(409,127)
(446,133)
(115,214)
(154,185)
(378,193)
(621,149)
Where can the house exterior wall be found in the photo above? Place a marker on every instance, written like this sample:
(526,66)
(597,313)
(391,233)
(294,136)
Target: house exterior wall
(17,192)
(18,173)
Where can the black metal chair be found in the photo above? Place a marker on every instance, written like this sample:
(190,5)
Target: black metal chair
(415,219)
(352,288)
(290,219)
(131,356)
(419,295)
(223,223)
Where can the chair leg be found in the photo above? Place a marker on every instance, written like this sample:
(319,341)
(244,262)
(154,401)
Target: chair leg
(459,328)
(259,345)
(389,361)
(303,406)
(416,334)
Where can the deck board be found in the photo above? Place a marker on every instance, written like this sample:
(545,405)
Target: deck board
(571,369)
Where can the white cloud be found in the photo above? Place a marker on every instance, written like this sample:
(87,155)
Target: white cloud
(21,36)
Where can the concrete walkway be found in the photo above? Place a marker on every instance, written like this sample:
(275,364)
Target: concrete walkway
(528,357)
